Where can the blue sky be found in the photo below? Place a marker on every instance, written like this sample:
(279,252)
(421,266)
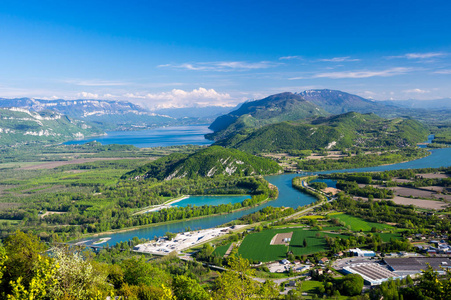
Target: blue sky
(184,53)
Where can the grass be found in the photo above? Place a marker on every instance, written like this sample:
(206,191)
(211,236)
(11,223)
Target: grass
(221,250)
(311,286)
(257,246)
(358,224)
(312,217)
(387,236)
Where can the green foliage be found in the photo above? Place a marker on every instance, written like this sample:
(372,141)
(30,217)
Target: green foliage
(213,161)
(237,283)
(359,224)
(24,127)
(188,288)
(75,276)
(351,285)
(22,251)
(273,109)
(352,188)
(361,161)
(139,272)
(344,131)
(318,185)
(297,184)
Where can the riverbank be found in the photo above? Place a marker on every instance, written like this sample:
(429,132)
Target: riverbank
(288,197)
(161,206)
(185,240)
(129,229)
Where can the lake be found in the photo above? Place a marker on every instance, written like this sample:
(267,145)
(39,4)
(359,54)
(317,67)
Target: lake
(210,200)
(158,137)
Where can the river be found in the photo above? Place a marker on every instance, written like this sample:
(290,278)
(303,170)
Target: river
(288,197)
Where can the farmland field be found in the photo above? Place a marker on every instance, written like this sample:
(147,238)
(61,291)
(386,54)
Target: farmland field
(257,246)
(387,236)
(221,250)
(311,286)
(358,224)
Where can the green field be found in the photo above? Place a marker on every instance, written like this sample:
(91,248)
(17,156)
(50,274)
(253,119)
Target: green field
(358,224)
(257,246)
(387,236)
(221,250)
(311,286)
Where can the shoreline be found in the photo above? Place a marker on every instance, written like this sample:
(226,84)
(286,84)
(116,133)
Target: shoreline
(170,202)
(369,166)
(114,231)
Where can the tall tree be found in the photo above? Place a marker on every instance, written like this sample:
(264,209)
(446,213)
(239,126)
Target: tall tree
(236,284)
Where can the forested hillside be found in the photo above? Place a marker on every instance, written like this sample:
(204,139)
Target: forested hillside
(341,131)
(210,162)
(273,109)
(20,126)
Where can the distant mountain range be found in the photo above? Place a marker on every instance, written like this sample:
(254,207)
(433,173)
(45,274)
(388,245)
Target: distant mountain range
(207,113)
(107,115)
(120,115)
(21,126)
(423,104)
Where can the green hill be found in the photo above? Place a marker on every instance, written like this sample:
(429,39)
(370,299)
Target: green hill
(209,162)
(20,126)
(273,109)
(341,131)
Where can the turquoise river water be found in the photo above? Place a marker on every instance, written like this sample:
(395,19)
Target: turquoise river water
(288,197)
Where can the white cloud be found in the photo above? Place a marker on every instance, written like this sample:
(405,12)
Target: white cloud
(181,98)
(359,74)
(426,55)
(134,96)
(339,59)
(416,91)
(222,66)
(448,71)
(88,95)
(109,96)
(290,57)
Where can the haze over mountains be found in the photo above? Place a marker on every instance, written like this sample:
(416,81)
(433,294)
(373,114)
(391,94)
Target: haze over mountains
(338,102)
(20,126)
(106,115)
(119,115)
(424,104)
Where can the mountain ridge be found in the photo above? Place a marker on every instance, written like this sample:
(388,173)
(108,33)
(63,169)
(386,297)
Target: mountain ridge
(338,131)
(273,109)
(209,162)
(107,114)
(21,126)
